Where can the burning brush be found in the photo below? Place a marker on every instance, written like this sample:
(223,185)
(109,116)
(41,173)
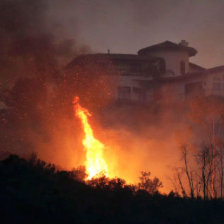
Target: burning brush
(95,163)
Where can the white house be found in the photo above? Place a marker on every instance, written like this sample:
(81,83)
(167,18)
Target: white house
(161,70)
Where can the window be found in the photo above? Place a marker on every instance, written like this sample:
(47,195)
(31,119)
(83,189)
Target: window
(134,67)
(162,66)
(124,93)
(182,67)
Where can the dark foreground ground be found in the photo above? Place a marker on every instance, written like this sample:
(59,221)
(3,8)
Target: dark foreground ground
(32,191)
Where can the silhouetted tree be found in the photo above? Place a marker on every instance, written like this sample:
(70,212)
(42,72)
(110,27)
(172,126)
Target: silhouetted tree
(31,191)
(207,113)
(188,171)
(150,185)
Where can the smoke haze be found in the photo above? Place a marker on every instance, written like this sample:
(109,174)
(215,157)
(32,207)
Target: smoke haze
(37,38)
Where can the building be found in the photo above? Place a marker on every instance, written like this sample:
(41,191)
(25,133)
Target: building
(160,71)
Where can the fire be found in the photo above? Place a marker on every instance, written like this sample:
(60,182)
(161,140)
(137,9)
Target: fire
(95,163)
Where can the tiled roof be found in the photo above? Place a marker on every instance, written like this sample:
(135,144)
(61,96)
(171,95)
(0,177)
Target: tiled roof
(112,57)
(196,66)
(167,45)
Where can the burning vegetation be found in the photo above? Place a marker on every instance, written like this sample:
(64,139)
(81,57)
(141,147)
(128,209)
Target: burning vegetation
(34,191)
(95,163)
(164,154)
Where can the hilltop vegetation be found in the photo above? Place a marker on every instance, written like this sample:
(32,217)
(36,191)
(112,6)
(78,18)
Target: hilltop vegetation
(33,191)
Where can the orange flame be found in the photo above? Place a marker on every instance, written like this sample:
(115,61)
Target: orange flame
(95,163)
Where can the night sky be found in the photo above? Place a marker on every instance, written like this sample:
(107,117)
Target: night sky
(125,26)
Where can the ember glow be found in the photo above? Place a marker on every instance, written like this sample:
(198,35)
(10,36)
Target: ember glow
(95,163)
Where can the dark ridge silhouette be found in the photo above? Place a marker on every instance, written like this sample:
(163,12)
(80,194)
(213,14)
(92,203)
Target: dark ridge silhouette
(33,191)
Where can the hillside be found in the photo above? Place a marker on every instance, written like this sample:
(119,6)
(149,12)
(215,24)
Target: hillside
(33,191)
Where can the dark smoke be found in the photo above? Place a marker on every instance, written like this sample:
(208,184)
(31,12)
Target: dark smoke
(34,51)
(38,94)
(35,87)
(31,45)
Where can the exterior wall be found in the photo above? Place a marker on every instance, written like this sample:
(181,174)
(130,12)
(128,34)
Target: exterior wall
(131,73)
(193,69)
(173,61)
(215,84)
(212,83)
(195,87)
(142,80)
(178,90)
(149,95)
(129,89)
(172,91)
(209,84)
(134,67)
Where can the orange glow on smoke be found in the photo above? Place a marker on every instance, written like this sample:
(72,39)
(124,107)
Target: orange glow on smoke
(95,163)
